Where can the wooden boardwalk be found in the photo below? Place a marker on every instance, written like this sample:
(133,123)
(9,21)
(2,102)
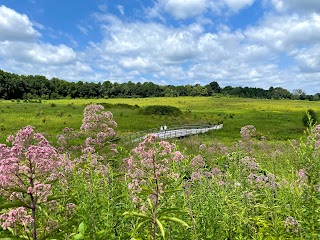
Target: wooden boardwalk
(176,131)
(183,132)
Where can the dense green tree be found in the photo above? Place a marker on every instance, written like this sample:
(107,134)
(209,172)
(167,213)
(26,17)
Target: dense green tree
(213,87)
(14,86)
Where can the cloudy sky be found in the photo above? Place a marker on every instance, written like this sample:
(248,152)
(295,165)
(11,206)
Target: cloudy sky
(255,43)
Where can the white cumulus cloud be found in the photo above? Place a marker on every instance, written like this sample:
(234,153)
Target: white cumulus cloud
(182,9)
(296,5)
(236,5)
(15,26)
(293,31)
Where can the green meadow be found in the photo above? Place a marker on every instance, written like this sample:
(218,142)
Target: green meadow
(273,119)
(240,182)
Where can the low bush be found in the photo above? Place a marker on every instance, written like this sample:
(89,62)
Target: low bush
(309,118)
(119,105)
(160,110)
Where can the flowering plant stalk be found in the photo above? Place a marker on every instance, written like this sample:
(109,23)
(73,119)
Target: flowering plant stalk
(96,131)
(153,176)
(309,175)
(29,168)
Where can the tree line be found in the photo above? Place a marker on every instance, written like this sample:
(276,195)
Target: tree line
(14,86)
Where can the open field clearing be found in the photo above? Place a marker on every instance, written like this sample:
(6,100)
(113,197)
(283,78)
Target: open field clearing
(274,119)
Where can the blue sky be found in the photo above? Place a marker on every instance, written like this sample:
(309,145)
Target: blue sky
(255,43)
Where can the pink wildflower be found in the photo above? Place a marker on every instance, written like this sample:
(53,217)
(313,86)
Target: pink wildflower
(15,216)
(247,132)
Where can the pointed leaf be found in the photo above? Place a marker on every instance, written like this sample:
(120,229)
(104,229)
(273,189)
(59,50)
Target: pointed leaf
(171,210)
(136,214)
(13,205)
(161,228)
(141,224)
(174,219)
(150,203)
(78,236)
(81,228)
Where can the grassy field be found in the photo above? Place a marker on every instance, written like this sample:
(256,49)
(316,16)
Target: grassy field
(274,119)
(219,185)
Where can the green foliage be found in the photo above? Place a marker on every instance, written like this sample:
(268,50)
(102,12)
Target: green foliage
(246,189)
(160,110)
(275,119)
(100,197)
(309,118)
(119,105)
(14,86)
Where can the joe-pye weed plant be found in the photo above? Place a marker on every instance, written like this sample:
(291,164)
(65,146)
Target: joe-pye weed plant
(31,173)
(309,174)
(94,183)
(156,189)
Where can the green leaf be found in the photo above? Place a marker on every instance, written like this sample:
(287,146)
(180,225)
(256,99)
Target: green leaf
(145,191)
(176,220)
(141,224)
(13,205)
(56,197)
(150,203)
(11,238)
(136,214)
(161,228)
(78,236)
(171,210)
(81,228)
(118,197)
(173,190)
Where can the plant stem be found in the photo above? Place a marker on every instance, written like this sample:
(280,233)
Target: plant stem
(156,200)
(186,186)
(33,209)
(33,203)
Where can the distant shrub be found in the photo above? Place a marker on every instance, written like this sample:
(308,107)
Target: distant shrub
(60,113)
(124,105)
(105,105)
(309,118)
(160,110)
(119,105)
(2,127)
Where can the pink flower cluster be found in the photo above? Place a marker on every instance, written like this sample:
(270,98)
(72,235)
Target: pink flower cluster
(15,216)
(250,163)
(98,122)
(292,225)
(261,180)
(198,169)
(151,166)
(29,165)
(214,174)
(29,157)
(247,132)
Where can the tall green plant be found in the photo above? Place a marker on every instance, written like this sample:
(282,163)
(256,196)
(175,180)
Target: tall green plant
(309,174)
(153,181)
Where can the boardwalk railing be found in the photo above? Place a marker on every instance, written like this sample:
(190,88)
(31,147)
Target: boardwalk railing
(174,131)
